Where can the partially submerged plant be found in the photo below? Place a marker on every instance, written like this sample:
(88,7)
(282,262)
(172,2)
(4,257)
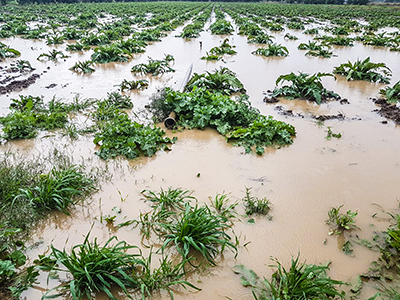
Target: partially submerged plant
(221,204)
(364,70)
(221,27)
(94,268)
(261,38)
(110,53)
(254,205)
(169,199)
(304,86)
(53,55)
(300,281)
(197,228)
(83,67)
(222,81)
(341,222)
(154,67)
(392,94)
(134,84)
(6,51)
(272,50)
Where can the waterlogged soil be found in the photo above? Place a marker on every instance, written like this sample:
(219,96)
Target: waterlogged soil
(303,181)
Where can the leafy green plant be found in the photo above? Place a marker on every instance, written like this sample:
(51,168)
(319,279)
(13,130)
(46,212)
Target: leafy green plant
(197,228)
(162,278)
(121,136)
(290,37)
(83,67)
(55,39)
(110,53)
(310,46)
(325,53)
(222,81)
(254,205)
(330,134)
(95,268)
(364,70)
(272,50)
(300,281)
(221,27)
(59,189)
(77,47)
(392,94)
(304,86)
(53,55)
(154,67)
(7,52)
(134,84)
(311,31)
(261,38)
(341,222)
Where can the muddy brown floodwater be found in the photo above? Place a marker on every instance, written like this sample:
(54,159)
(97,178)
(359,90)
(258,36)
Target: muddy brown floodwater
(303,180)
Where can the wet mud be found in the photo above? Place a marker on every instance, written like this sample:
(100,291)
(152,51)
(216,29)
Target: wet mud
(388,110)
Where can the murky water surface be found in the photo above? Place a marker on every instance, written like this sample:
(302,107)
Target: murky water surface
(303,181)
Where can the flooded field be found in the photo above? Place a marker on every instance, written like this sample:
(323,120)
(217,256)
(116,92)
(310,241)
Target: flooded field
(303,181)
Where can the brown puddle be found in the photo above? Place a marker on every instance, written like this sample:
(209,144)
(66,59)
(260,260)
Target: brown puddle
(303,181)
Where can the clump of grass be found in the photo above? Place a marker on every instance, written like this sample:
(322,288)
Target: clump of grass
(300,281)
(341,222)
(7,52)
(254,205)
(58,190)
(95,268)
(364,70)
(169,199)
(221,204)
(197,228)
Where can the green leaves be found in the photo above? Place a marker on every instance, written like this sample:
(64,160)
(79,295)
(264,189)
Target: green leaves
(155,67)
(221,27)
(341,221)
(272,50)
(121,136)
(392,94)
(300,281)
(304,86)
(364,70)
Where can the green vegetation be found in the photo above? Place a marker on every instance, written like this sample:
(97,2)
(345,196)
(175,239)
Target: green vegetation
(7,52)
(364,70)
(221,27)
(197,228)
(154,67)
(254,205)
(272,50)
(391,94)
(122,136)
(339,221)
(300,281)
(83,67)
(94,268)
(261,38)
(134,84)
(236,120)
(28,116)
(222,81)
(325,53)
(110,53)
(221,205)
(304,86)
(53,55)
(290,37)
